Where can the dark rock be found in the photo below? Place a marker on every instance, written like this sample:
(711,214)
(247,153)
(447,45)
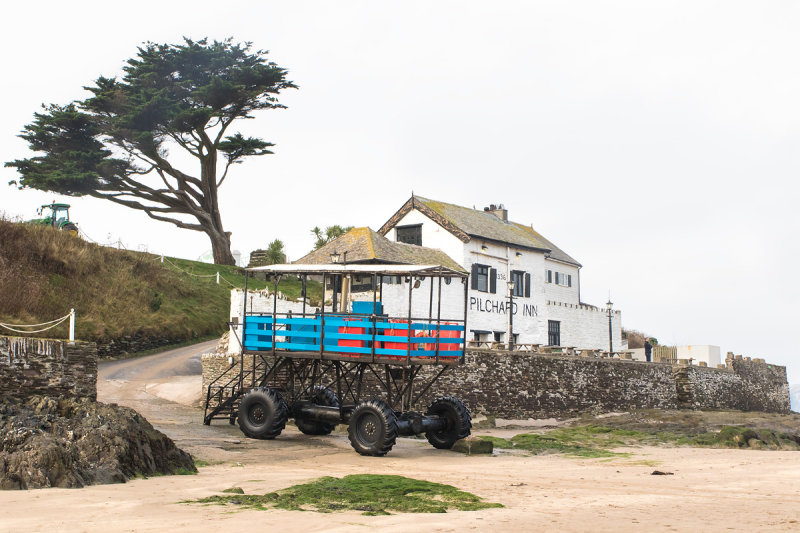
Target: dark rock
(69,443)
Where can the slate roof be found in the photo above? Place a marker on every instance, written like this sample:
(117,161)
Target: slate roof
(465,223)
(364,245)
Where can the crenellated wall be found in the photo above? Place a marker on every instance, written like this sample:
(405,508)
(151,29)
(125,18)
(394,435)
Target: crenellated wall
(47,367)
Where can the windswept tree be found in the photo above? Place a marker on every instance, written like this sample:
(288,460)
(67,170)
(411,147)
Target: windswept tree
(116,144)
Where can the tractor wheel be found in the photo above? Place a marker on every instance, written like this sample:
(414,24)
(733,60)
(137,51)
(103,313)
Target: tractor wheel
(319,396)
(70,228)
(459,422)
(373,428)
(262,414)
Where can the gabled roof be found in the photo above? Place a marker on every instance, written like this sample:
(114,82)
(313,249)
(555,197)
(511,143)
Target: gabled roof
(363,245)
(466,223)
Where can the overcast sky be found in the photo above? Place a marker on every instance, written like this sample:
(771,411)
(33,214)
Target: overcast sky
(657,143)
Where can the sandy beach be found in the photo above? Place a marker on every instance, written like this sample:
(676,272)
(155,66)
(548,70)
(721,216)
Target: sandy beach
(710,489)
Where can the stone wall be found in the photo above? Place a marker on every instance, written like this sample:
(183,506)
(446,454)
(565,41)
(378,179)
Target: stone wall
(522,385)
(135,343)
(517,385)
(47,367)
(742,383)
(214,364)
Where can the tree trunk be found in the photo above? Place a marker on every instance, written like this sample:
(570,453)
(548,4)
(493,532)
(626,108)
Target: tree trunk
(220,239)
(220,246)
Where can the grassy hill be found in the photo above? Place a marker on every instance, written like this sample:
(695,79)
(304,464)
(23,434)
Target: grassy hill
(115,293)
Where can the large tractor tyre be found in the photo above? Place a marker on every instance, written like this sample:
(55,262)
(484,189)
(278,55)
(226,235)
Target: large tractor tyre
(373,428)
(319,396)
(262,414)
(70,228)
(459,422)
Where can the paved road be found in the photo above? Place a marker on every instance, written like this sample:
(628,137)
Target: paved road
(183,361)
(166,389)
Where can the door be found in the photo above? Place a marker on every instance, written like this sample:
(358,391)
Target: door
(554,333)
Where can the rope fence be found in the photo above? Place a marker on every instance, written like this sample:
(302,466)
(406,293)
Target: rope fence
(217,275)
(49,325)
(163,259)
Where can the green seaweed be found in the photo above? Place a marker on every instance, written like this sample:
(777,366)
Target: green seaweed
(369,493)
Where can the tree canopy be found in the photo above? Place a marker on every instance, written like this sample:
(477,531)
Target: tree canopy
(330,233)
(275,253)
(115,145)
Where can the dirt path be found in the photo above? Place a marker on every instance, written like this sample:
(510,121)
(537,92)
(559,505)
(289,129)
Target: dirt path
(711,490)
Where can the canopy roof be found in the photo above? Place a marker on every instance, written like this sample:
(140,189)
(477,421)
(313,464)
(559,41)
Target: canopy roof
(385,270)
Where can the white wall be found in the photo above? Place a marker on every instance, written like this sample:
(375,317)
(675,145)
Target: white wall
(584,326)
(560,293)
(697,352)
(433,235)
(488,311)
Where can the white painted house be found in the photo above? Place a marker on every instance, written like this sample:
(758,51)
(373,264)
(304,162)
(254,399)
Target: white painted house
(547,307)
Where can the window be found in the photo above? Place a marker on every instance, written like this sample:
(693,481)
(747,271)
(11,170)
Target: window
(484,278)
(518,278)
(498,336)
(553,332)
(522,283)
(411,234)
(480,336)
(565,280)
(549,276)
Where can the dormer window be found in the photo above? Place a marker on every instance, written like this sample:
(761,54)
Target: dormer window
(410,234)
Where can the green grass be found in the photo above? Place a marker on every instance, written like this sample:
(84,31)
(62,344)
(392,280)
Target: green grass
(566,441)
(115,293)
(597,441)
(371,494)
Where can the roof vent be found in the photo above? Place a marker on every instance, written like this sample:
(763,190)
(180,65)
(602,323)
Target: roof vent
(498,210)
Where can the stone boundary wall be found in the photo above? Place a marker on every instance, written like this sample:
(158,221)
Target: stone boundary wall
(522,385)
(47,367)
(135,343)
(517,385)
(214,364)
(742,383)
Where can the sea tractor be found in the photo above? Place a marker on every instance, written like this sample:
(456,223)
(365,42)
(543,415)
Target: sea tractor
(375,366)
(57,216)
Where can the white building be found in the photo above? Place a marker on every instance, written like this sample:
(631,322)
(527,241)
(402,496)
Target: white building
(547,307)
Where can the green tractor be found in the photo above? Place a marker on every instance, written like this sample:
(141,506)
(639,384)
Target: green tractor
(57,216)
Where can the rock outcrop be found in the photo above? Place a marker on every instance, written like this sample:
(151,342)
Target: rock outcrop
(70,443)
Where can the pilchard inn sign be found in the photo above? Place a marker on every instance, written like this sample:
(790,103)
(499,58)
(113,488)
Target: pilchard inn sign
(489,305)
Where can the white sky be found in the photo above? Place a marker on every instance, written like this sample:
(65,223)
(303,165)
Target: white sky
(656,144)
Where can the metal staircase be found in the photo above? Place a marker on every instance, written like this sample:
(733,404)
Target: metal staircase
(223,394)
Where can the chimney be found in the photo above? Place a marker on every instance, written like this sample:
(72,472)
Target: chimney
(498,210)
